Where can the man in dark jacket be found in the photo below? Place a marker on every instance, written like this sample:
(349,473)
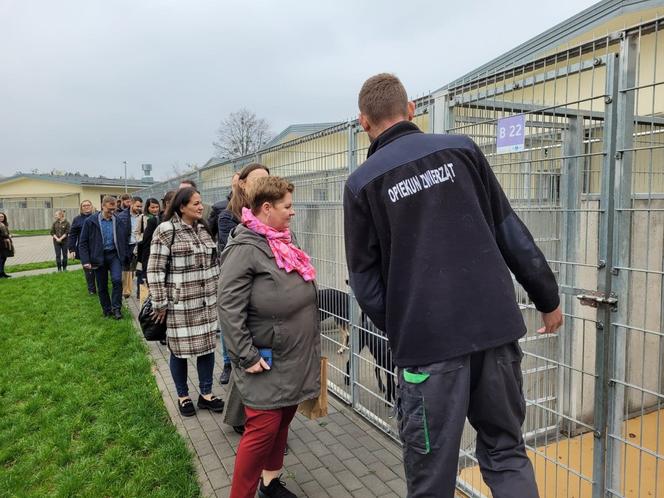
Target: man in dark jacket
(103,246)
(74,235)
(430,241)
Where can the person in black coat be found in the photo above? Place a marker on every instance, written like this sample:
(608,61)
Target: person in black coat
(87,209)
(147,225)
(103,247)
(6,245)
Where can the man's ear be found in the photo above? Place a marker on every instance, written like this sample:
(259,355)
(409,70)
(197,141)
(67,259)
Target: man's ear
(411,110)
(364,122)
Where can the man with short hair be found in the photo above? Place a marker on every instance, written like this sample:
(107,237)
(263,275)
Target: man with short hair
(187,183)
(130,218)
(430,242)
(124,203)
(103,247)
(87,209)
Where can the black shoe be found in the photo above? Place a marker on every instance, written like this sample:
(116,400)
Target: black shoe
(239,429)
(107,314)
(4,275)
(276,489)
(187,407)
(226,374)
(214,405)
(117,314)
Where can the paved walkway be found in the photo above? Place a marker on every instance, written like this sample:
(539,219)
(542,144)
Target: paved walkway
(43,271)
(33,249)
(340,455)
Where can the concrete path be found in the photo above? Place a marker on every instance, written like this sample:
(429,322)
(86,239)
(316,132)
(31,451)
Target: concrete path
(340,455)
(32,249)
(43,271)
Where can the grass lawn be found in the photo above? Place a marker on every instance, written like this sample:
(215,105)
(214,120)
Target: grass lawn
(30,233)
(80,414)
(37,266)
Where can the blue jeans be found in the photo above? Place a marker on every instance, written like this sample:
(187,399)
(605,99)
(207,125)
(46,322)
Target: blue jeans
(205,366)
(111,264)
(224,351)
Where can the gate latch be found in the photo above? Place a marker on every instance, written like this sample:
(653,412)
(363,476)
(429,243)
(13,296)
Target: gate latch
(596,298)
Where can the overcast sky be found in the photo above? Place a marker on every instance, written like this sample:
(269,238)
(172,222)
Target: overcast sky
(85,85)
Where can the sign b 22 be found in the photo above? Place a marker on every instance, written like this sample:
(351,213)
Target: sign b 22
(511,134)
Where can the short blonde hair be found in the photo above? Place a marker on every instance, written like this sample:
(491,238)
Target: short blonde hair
(268,189)
(383,97)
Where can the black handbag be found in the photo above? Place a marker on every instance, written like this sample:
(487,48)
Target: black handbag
(153,331)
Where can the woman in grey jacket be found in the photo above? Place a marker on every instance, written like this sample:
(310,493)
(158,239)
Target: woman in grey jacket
(269,312)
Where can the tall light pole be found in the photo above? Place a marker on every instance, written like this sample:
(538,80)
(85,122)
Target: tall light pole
(125,165)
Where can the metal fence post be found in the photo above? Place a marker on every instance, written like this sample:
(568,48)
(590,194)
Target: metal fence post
(621,252)
(353,308)
(605,263)
(448,114)
(569,203)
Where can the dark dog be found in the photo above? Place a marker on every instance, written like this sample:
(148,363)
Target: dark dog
(335,304)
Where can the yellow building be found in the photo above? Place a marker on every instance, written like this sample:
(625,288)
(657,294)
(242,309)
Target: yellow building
(29,200)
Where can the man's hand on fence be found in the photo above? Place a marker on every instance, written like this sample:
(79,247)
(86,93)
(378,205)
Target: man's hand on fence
(552,321)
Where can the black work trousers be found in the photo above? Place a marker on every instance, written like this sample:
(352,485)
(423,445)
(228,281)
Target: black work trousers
(432,406)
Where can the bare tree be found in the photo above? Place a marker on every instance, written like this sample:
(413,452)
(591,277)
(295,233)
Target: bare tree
(241,133)
(179,170)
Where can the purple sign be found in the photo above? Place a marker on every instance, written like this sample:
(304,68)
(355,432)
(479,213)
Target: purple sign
(511,134)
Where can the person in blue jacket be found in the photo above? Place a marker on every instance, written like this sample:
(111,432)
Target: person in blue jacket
(431,240)
(104,247)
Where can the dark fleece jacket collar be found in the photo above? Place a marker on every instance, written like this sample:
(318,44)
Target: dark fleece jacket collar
(398,130)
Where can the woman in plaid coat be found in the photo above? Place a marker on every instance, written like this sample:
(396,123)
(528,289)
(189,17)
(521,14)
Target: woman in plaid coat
(184,293)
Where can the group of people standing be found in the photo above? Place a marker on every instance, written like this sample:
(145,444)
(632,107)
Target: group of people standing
(114,241)
(420,263)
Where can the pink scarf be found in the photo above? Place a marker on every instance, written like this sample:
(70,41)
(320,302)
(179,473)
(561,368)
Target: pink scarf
(288,256)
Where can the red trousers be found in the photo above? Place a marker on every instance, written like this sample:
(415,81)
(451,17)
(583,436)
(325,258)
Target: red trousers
(261,447)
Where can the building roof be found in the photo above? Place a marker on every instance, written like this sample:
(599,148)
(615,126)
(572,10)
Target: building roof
(298,130)
(554,37)
(295,131)
(79,180)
